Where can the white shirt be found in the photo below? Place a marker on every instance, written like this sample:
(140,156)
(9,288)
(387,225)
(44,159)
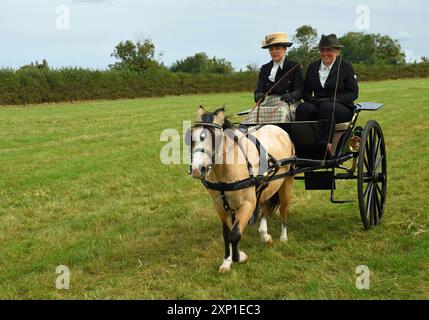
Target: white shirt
(324,72)
(276,67)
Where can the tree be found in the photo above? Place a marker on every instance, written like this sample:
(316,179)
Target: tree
(45,64)
(252,67)
(223,66)
(306,36)
(36,65)
(424,60)
(201,63)
(304,52)
(358,47)
(195,64)
(371,48)
(388,51)
(137,56)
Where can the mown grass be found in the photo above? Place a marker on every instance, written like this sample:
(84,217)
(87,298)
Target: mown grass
(82,185)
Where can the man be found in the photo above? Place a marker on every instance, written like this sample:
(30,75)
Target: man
(328,78)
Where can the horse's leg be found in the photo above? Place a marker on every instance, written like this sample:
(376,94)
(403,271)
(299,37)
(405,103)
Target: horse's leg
(263,226)
(226,227)
(242,218)
(285,193)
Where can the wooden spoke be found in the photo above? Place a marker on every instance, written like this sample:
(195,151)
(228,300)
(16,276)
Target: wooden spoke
(368,202)
(378,163)
(378,189)
(378,213)
(373,140)
(367,188)
(377,148)
(368,155)
(366,165)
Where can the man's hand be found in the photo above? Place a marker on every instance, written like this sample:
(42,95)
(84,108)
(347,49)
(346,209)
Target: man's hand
(259,96)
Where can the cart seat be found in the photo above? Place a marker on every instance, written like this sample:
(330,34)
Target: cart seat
(340,129)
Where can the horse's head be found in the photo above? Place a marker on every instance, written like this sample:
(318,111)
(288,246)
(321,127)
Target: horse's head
(205,138)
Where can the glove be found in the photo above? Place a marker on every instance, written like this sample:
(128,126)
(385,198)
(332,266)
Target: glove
(288,98)
(258,96)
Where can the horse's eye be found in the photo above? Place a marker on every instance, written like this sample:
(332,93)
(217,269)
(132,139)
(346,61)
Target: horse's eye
(202,136)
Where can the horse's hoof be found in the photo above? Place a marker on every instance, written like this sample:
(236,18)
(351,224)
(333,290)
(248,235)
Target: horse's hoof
(269,240)
(283,239)
(243,257)
(226,265)
(223,269)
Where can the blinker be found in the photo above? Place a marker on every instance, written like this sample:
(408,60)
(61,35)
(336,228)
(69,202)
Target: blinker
(202,136)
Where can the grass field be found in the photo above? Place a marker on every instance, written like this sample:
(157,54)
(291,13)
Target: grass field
(82,185)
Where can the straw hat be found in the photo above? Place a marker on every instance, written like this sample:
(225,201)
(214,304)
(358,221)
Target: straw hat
(278,38)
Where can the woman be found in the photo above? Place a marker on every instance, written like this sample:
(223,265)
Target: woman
(323,79)
(280,81)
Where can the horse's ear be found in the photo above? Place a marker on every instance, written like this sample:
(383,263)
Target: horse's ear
(219,110)
(200,112)
(220,116)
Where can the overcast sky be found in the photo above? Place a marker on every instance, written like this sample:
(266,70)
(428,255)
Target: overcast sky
(227,29)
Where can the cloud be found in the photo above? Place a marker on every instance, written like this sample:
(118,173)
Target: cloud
(92,1)
(223,28)
(410,57)
(403,36)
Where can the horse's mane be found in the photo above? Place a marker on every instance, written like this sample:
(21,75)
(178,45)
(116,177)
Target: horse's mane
(227,124)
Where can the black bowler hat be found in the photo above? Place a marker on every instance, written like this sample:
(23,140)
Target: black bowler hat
(329,41)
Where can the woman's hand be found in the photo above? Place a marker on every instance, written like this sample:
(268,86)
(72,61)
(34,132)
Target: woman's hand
(259,96)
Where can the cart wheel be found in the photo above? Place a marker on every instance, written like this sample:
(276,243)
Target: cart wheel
(372,175)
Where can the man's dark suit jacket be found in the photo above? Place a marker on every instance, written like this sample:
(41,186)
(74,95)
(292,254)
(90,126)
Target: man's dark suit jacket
(292,83)
(347,91)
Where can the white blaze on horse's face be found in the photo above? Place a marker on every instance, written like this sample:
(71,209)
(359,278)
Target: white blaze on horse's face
(202,150)
(206,140)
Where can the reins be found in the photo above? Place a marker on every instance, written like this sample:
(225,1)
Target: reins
(299,63)
(333,110)
(258,103)
(267,169)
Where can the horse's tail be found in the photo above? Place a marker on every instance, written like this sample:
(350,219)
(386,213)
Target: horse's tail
(273,203)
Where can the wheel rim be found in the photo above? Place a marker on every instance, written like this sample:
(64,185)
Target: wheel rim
(372,175)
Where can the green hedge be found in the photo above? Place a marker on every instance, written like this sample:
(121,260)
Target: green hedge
(385,72)
(32,85)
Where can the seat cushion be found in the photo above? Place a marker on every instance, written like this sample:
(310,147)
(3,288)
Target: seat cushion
(340,128)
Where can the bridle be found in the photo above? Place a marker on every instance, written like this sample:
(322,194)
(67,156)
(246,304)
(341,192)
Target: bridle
(335,103)
(211,127)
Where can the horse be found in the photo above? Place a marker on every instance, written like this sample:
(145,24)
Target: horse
(222,154)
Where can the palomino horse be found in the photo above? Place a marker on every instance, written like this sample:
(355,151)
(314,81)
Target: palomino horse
(219,157)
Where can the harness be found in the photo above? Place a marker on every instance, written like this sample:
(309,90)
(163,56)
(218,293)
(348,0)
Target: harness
(268,167)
